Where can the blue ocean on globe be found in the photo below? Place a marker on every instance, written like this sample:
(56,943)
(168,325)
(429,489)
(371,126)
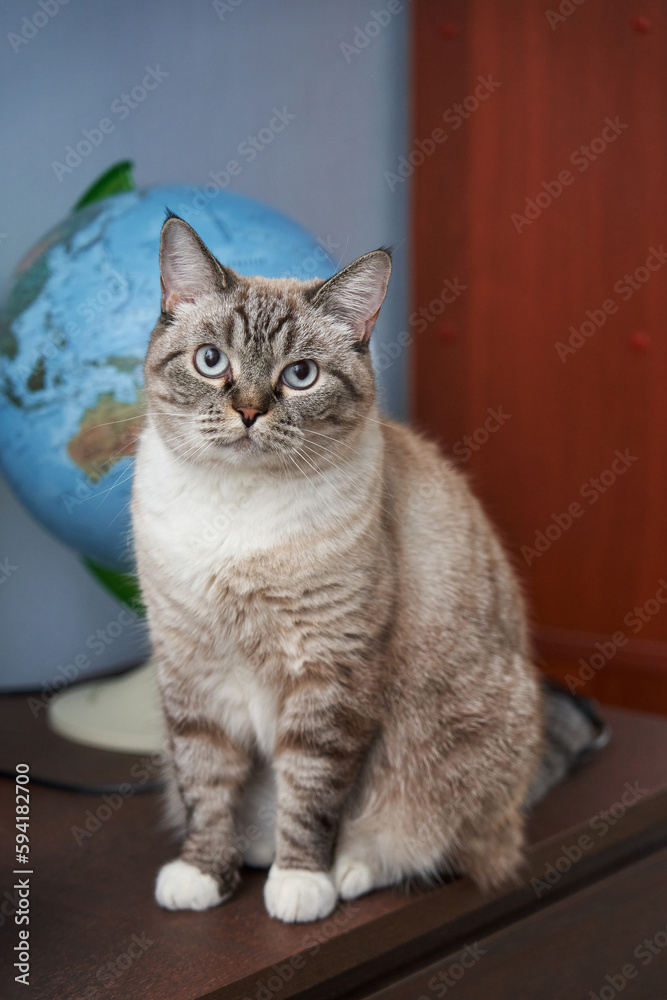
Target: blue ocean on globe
(73,336)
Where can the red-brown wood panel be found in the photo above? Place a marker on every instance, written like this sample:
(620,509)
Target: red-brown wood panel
(586,94)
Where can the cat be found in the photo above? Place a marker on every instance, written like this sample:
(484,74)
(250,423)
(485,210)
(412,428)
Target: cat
(334,619)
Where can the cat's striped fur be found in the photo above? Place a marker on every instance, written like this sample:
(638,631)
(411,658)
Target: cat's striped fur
(326,599)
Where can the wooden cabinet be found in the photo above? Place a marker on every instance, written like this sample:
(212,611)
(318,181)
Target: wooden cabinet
(547,200)
(590,894)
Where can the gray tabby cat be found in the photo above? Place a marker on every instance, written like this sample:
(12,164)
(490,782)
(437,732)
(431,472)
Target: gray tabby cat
(335,621)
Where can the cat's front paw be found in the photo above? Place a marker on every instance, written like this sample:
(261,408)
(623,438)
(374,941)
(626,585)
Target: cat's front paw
(182,886)
(352,877)
(296,895)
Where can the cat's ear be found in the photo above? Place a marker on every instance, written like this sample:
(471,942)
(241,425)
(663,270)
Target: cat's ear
(188,269)
(356,293)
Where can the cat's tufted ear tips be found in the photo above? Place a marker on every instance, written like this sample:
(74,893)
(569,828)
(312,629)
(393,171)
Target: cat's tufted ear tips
(188,269)
(356,293)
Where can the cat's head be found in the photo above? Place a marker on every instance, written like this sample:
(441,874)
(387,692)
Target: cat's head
(259,371)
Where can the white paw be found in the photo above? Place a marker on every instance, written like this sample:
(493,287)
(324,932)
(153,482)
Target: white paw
(181,886)
(295,895)
(352,877)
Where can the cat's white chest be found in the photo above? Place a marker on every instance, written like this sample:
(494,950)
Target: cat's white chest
(199,534)
(200,522)
(218,540)
(246,707)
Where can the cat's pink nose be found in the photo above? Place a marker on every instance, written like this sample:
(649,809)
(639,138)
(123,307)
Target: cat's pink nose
(249,414)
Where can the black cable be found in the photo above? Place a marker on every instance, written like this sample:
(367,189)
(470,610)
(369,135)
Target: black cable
(68,786)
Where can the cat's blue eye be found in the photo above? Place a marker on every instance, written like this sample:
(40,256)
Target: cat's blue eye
(211,361)
(300,375)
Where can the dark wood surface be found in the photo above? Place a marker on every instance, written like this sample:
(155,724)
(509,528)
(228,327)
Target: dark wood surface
(494,346)
(89,899)
(584,942)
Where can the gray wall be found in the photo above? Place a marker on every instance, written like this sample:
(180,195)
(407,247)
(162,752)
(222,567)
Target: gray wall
(226,69)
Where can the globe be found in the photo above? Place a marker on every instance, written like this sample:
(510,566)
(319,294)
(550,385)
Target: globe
(74,333)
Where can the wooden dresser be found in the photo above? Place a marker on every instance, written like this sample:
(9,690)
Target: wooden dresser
(592,894)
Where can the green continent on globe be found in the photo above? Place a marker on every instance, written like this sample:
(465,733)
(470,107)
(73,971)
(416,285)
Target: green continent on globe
(108,432)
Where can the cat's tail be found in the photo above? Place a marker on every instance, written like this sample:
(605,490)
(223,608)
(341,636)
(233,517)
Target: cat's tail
(573,731)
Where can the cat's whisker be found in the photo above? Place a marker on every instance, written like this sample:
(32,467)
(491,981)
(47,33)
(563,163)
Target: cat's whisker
(111,460)
(342,256)
(127,470)
(335,461)
(353,482)
(329,483)
(196,450)
(95,496)
(304,473)
(121,511)
(122,478)
(283,464)
(109,423)
(123,451)
(116,456)
(137,416)
(339,462)
(347,445)
(374,420)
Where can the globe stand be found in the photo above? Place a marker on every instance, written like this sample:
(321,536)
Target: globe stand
(116,713)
